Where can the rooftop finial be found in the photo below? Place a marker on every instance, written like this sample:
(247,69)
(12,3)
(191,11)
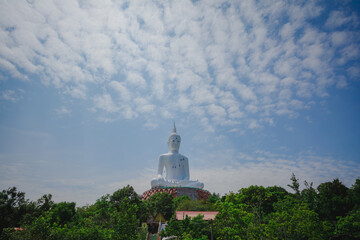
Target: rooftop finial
(174,128)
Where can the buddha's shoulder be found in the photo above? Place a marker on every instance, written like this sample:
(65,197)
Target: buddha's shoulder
(172,155)
(182,157)
(165,155)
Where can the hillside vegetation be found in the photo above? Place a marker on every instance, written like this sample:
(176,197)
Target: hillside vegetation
(329,211)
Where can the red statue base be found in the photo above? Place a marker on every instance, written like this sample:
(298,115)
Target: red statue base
(193,193)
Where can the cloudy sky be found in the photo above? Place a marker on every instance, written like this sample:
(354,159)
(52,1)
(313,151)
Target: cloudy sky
(89,91)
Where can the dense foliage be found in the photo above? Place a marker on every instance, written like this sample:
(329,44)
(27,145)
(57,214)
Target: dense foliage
(330,211)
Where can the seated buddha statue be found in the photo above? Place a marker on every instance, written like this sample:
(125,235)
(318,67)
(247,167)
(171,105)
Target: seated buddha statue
(173,170)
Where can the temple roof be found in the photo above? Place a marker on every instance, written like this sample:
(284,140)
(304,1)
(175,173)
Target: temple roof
(181,215)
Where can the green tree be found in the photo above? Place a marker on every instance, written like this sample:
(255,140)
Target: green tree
(253,198)
(196,228)
(45,203)
(211,201)
(62,213)
(175,227)
(103,220)
(273,195)
(294,220)
(309,195)
(192,205)
(127,223)
(129,193)
(295,185)
(233,220)
(354,195)
(199,228)
(161,203)
(177,201)
(13,207)
(213,198)
(332,201)
(40,228)
(260,200)
(348,227)
(245,214)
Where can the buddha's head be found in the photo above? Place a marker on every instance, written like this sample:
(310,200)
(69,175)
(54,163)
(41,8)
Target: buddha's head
(174,141)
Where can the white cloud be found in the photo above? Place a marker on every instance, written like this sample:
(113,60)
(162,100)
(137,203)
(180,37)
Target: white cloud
(11,95)
(218,113)
(77,91)
(63,111)
(253,124)
(12,69)
(105,103)
(143,105)
(337,19)
(272,169)
(339,38)
(129,113)
(136,80)
(263,57)
(354,72)
(124,93)
(184,103)
(341,82)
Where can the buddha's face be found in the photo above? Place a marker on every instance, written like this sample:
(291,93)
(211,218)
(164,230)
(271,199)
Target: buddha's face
(174,143)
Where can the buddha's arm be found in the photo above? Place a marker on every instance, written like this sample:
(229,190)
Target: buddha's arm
(161,166)
(186,165)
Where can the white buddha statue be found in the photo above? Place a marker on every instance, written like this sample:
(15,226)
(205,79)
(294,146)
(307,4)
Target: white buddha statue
(173,170)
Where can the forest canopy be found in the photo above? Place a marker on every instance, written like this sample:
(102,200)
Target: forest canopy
(328,211)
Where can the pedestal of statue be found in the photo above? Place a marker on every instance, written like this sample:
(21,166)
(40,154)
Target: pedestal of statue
(193,193)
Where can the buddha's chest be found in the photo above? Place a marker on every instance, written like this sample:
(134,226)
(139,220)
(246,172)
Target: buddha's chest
(176,162)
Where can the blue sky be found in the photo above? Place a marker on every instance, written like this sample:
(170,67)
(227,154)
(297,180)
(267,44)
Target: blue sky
(89,91)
